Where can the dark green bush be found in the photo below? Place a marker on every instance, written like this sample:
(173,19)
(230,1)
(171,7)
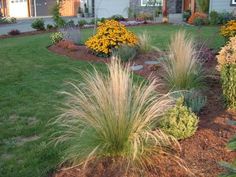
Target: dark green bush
(81,23)
(186,15)
(199,22)
(179,121)
(214,18)
(225,17)
(228,79)
(49,26)
(38,24)
(117,18)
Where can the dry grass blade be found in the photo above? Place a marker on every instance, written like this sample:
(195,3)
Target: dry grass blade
(183,71)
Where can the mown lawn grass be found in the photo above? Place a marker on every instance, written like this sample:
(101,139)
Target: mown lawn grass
(30,77)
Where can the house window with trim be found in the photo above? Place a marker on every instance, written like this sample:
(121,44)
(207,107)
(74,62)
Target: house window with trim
(151,2)
(233,3)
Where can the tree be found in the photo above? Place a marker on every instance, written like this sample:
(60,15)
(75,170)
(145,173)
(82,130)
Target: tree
(165,12)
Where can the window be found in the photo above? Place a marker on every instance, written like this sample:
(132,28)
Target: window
(151,2)
(233,3)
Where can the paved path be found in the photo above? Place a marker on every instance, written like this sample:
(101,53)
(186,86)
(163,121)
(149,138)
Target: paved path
(24,25)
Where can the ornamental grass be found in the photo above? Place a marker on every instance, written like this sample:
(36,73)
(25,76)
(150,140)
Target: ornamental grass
(183,70)
(109,116)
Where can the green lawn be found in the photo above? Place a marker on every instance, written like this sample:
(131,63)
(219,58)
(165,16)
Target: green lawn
(30,77)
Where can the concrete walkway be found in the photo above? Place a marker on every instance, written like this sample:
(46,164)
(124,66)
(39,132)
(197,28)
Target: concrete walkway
(24,25)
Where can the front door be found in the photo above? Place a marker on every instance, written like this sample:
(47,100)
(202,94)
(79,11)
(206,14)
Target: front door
(18,8)
(179,5)
(44,7)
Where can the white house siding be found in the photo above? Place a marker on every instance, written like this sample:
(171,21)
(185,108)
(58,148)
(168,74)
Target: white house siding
(221,5)
(107,8)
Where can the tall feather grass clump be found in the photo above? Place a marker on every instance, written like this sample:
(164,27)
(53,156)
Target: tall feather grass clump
(145,42)
(183,71)
(109,116)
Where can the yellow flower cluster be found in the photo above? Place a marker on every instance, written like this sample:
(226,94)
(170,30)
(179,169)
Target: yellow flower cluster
(227,55)
(229,29)
(110,34)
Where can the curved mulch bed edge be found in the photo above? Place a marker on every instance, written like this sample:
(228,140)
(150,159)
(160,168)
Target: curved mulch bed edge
(201,152)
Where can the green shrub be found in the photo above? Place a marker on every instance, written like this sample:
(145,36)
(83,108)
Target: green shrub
(56,37)
(50,27)
(125,53)
(145,43)
(186,15)
(108,116)
(56,15)
(203,5)
(194,100)
(117,18)
(81,23)
(38,24)
(182,68)
(179,121)
(214,18)
(228,80)
(198,22)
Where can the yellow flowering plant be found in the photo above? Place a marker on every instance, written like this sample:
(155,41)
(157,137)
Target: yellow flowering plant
(227,55)
(229,29)
(110,34)
(227,66)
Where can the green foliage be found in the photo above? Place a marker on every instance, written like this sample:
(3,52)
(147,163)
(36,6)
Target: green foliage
(228,79)
(194,100)
(49,27)
(125,53)
(38,24)
(186,15)
(198,21)
(117,18)
(56,15)
(56,37)
(183,70)
(81,23)
(145,42)
(214,18)
(111,117)
(179,121)
(7,20)
(230,168)
(203,5)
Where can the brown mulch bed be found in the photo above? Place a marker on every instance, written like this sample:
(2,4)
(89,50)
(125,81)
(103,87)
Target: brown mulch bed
(202,152)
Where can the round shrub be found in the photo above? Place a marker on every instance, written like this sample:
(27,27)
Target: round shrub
(229,29)
(179,121)
(38,24)
(227,66)
(56,37)
(117,18)
(110,34)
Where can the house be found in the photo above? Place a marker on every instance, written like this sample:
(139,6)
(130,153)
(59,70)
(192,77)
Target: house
(222,5)
(33,8)
(103,8)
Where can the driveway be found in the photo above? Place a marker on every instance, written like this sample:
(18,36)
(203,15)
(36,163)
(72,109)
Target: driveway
(24,25)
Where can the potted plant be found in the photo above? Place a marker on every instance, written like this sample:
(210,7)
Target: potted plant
(80,13)
(86,11)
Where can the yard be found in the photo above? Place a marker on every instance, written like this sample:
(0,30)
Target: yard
(31,77)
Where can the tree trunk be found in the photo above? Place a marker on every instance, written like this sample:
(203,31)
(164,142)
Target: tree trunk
(165,12)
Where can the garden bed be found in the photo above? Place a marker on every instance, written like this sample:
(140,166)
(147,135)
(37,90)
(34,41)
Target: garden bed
(202,152)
